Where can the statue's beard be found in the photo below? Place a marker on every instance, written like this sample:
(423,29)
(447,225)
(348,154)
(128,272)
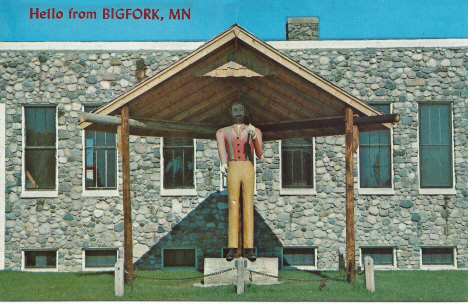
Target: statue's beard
(238,119)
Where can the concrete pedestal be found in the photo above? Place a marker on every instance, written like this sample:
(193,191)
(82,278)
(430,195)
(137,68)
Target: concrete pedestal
(263,265)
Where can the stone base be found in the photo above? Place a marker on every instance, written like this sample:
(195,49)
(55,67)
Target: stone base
(264,265)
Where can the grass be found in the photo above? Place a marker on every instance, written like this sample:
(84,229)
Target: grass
(390,286)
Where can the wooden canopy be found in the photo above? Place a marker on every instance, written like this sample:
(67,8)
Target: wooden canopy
(191,97)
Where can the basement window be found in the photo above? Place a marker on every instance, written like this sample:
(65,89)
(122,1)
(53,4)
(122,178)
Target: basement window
(100,258)
(438,256)
(381,256)
(299,257)
(40,259)
(183,258)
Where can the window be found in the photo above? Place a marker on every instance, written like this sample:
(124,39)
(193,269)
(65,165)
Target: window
(380,255)
(437,256)
(100,258)
(435,146)
(375,157)
(100,160)
(298,256)
(297,163)
(178,155)
(40,148)
(40,259)
(179,258)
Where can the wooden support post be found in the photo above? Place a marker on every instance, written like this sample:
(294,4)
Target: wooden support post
(369,273)
(127,206)
(350,237)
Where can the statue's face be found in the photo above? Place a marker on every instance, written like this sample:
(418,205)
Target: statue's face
(238,111)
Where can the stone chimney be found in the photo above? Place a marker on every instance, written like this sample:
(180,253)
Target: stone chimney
(302,28)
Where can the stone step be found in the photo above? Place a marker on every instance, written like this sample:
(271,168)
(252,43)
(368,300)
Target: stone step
(263,265)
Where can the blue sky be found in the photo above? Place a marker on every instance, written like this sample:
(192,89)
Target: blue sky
(339,19)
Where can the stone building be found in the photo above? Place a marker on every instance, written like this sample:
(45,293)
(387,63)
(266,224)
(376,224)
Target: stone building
(60,187)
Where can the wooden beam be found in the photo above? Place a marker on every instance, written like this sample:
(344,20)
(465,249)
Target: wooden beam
(127,205)
(148,124)
(350,237)
(328,122)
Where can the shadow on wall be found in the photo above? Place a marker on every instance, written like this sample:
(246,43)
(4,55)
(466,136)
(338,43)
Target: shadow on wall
(206,229)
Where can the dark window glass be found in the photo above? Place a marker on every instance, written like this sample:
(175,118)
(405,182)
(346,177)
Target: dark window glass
(435,143)
(374,157)
(297,163)
(40,259)
(437,256)
(100,258)
(298,256)
(380,256)
(40,150)
(101,159)
(179,257)
(178,163)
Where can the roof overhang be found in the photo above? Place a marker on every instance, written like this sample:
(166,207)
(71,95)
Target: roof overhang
(191,97)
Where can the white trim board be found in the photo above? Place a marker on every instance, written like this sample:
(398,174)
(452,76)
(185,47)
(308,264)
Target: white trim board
(192,45)
(2,186)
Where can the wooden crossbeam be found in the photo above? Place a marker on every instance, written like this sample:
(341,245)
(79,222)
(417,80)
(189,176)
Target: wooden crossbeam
(208,131)
(328,122)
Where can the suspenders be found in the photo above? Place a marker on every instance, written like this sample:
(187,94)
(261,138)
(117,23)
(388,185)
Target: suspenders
(230,143)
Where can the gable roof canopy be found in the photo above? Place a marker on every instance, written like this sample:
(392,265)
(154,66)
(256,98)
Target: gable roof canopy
(191,98)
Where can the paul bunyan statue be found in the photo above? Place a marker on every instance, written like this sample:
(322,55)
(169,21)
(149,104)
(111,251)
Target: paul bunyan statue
(236,146)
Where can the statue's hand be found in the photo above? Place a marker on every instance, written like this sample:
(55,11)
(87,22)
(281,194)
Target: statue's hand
(251,130)
(223,169)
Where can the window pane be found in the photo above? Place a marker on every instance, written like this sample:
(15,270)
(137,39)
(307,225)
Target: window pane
(101,159)
(178,163)
(436,166)
(101,168)
(298,256)
(375,157)
(40,259)
(111,168)
(100,258)
(179,257)
(297,163)
(437,256)
(379,255)
(40,169)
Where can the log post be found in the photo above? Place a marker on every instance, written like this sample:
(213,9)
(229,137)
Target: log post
(127,207)
(350,237)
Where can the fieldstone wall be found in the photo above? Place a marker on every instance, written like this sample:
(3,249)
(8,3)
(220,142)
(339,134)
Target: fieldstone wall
(303,28)
(71,222)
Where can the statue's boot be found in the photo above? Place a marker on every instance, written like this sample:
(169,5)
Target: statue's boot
(231,255)
(250,254)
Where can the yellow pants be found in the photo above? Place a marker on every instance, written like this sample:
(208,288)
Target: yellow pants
(241,173)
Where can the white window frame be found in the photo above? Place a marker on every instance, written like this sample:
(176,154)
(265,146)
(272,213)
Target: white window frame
(37,193)
(382,267)
(436,191)
(438,267)
(98,192)
(378,191)
(299,267)
(179,248)
(26,269)
(178,192)
(96,269)
(298,191)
